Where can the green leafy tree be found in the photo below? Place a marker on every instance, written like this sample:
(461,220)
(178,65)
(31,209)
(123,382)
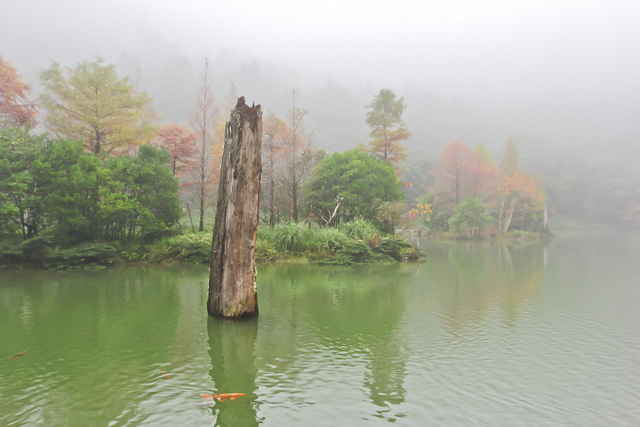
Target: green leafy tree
(91,103)
(141,195)
(388,130)
(470,216)
(351,185)
(68,182)
(20,207)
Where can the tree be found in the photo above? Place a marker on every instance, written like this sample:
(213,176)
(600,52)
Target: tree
(91,103)
(69,181)
(470,216)
(365,187)
(298,157)
(203,121)
(20,204)
(141,195)
(482,173)
(451,174)
(519,188)
(180,143)
(15,107)
(274,131)
(510,164)
(388,129)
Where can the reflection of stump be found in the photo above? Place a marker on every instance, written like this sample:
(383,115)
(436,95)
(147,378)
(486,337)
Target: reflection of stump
(232,291)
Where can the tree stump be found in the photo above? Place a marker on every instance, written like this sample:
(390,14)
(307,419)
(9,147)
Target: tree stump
(232,280)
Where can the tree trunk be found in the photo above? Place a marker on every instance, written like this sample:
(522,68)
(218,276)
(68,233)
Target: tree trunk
(507,221)
(232,281)
(500,218)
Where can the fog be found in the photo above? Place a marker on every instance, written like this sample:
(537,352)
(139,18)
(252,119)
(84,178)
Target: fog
(553,74)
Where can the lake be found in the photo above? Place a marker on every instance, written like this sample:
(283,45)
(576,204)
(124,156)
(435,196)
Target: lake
(478,334)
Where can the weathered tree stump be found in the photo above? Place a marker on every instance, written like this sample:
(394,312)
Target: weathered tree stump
(232,281)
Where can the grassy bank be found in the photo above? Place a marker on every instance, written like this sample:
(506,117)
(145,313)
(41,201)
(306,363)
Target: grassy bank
(356,242)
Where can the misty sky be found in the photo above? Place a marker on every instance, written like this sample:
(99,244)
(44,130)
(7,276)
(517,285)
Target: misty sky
(569,70)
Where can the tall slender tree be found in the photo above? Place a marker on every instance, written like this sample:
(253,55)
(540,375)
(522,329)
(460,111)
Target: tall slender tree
(274,131)
(388,130)
(298,157)
(203,121)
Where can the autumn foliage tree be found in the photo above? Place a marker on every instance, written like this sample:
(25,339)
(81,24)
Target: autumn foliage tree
(15,107)
(93,104)
(451,174)
(519,189)
(180,143)
(481,174)
(388,130)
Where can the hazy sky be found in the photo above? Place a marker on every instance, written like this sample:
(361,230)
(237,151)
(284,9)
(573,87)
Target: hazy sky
(570,69)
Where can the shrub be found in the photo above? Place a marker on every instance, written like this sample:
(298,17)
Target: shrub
(87,254)
(359,229)
(265,251)
(397,249)
(289,236)
(324,241)
(194,248)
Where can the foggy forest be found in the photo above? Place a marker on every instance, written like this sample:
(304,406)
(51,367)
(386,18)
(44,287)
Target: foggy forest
(557,81)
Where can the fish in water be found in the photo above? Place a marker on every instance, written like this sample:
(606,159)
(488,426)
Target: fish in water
(15,356)
(165,374)
(222,397)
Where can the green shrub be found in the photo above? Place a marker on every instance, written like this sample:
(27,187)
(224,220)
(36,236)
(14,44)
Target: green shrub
(397,249)
(265,251)
(194,248)
(87,254)
(359,229)
(289,236)
(323,241)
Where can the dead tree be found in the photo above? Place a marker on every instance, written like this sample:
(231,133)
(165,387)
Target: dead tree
(232,281)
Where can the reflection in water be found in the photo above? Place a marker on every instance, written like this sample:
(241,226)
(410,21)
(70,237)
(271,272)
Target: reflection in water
(335,319)
(526,334)
(473,278)
(233,346)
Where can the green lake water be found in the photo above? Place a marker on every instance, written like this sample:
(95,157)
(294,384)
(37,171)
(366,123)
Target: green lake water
(489,335)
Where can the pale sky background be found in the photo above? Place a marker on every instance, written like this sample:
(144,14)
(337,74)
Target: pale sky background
(565,69)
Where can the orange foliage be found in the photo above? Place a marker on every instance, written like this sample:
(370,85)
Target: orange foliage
(522,186)
(15,108)
(421,211)
(180,142)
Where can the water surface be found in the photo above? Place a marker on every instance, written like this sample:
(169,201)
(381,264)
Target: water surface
(521,334)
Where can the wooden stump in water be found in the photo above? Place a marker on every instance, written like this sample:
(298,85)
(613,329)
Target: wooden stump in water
(232,281)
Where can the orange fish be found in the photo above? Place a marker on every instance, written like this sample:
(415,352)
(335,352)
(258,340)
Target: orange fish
(222,397)
(165,374)
(15,356)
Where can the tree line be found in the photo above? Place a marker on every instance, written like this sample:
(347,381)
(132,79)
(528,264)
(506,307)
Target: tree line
(104,170)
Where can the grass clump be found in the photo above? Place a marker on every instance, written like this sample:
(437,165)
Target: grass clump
(191,248)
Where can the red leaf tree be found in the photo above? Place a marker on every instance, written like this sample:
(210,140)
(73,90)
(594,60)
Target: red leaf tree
(180,142)
(15,107)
